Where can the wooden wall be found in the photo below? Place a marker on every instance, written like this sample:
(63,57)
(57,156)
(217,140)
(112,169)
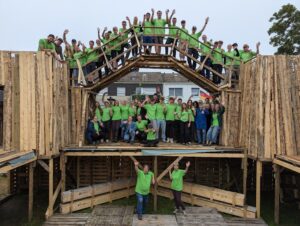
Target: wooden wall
(270,110)
(36,102)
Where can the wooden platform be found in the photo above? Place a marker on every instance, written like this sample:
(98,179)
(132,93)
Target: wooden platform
(110,215)
(166,149)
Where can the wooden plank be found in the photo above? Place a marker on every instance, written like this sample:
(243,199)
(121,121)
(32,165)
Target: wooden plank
(30,191)
(287,165)
(277,193)
(258,186)
(168,169)
(49,211)
(155,185)
(209,193)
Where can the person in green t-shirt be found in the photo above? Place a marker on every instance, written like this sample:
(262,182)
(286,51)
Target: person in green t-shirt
(142,189)
(205,48)
(170,120)
(177,185)
(124,116)
(184,38)
(192,112)
(116,121)
(159,29)
(150,107)
(216,123)
(148,32)
(124,32)
(106,45)
(151,140)
(246,54)
(98,111)
(141,126)
(94,131)
(160,119)
(47,45)
(115,40)
(136,29)
(230,59)
(185,123)
(92,57)
(177,120)
(173,30)
(193,43)
(106,120)
(217,61)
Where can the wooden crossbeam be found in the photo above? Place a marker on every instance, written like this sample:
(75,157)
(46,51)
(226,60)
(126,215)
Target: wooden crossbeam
(168,169)
(43,165)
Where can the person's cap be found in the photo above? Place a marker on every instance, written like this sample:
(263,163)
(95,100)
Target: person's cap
(235,44)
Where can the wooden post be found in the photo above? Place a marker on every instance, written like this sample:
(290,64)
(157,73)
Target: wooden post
(49,212)
(277,193)
(155,185)
(78,172)
(245,174)
(30,191)
(258,186)
(63,162)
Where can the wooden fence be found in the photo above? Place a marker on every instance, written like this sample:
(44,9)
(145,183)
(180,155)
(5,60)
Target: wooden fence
(270,106)
(36,102)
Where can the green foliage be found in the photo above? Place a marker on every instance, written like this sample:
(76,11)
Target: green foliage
(285,30)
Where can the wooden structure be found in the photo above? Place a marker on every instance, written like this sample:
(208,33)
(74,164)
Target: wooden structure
(46,118)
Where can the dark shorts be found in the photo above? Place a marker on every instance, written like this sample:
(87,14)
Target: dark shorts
(147,39)
(159,40)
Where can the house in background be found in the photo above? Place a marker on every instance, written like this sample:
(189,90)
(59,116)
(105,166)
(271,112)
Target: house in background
(147,83)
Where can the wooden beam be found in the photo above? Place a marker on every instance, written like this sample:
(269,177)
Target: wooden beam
(167,170)
(78,172)
(8,168)
(287,165)
(63,162)
(155,185)
(49,211)
(43,165)
(30,191)
(277,193)
(258,186)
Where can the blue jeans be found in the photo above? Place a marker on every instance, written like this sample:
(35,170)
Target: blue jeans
(161,124)
(129,135)
(142,201)
(201,136)
(212,134)
(75,73)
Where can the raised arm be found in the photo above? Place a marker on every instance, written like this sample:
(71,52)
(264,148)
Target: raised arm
(103,32)
(170,174)
(152,16)
(98,33)
(257,47)
(129,22)
(187,165)
(167,15)
(205,24)
(66,31)
(144,19)
(172,14)
(136,166)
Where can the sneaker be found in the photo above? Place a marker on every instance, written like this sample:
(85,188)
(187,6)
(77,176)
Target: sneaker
(189,143)
(140,217)
(101,141)
(183,212)
(175,211)
(171,141)
(168,140)
(107,141)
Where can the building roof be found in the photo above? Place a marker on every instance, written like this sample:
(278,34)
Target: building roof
(152,77)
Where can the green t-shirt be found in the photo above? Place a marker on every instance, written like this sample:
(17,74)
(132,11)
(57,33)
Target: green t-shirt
(236,62)
(106,46)
(228,58)
(192,42)
(160,111)
(126,33)
(132,111)
(191,113)
(206,48)
(44,44)
(173,31)
(80,56)
(184,35)
(98,114)
(148,30)
(124,112)
(177,179)
(91,54)
(170,109)
(96,127)
(106,114)
(184,116)
(178,111)
(218,57)
(215,121)
(151,111)
(116,113)
(115,41)
(141,126)
(159,23)
(143,182)
(245,56)
(151,135)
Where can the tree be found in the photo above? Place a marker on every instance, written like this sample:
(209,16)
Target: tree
(285,30)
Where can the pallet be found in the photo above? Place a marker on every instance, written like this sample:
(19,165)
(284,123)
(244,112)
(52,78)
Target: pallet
(74,219)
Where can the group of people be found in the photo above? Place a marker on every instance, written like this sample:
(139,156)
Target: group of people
(144,180)
(154,120)
(111,44)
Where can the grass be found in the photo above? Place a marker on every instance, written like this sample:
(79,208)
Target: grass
(14,211)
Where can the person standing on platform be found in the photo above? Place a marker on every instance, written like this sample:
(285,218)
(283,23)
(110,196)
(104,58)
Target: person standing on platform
(173,29)
(201,123)
(148,33)
(246,54)
(170,120)
(142,188)
(124,116)
(184,37)
(116,121)
(160,119)
(216,124)
(159,29)
(177,120)
(205,52)
(106,120)
(185,124)
(177,185)
(150,106)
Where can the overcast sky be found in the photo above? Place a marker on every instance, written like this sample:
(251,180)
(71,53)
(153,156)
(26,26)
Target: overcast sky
(23,23)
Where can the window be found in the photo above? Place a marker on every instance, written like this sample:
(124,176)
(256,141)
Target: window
(195,91)
(175,92)
(145,90)
(121,91)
